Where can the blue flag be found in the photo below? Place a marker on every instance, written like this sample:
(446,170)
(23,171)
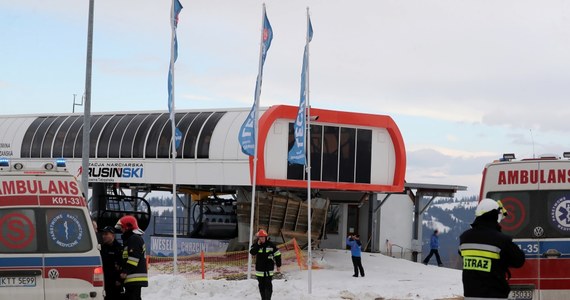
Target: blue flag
(174,24)
(297,152)
(246,135)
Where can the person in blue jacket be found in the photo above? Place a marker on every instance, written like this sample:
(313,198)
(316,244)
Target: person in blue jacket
(353,241)
(434,246)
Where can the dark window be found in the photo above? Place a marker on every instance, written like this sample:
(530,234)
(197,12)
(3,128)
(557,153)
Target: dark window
(316,151)
(184,126)
(206,134)
(189,147)
(49,136)
(154,135)
(71,137)
(67,231)
(39,137)
(333,218)
(524,209)
(117,135)
(20,236)
(140,137)
(347,154)
(363,155)
(96,129)
(352,219)
(294,171)
(105,139)
(330,153)
(29,135)
(79,140)
(129,135)
(164,142)
(58,143)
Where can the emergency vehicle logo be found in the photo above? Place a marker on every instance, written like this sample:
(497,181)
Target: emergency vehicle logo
(65,230)
(16,231)
(560,214)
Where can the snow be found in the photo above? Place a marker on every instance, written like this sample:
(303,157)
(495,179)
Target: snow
(435,224)
(386,277)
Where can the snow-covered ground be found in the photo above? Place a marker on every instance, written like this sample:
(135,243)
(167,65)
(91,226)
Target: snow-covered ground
(386,278)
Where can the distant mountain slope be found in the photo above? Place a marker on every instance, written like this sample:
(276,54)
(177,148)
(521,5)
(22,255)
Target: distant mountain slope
(451,217)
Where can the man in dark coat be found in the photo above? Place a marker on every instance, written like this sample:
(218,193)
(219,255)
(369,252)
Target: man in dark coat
(134,270)
(487,254)
(111,255)
(266,257)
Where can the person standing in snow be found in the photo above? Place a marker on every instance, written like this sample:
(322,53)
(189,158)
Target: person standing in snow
(353,241)
(267,256)
(487,254)
(434,246)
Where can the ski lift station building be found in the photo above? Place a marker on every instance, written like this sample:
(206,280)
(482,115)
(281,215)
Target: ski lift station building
(356,160)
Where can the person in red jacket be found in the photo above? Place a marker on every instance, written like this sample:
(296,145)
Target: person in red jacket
(266,257)
(134,271)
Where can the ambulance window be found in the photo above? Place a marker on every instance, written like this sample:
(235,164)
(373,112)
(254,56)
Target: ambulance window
(18,231)
(67,231)
(523,211)
(557,215)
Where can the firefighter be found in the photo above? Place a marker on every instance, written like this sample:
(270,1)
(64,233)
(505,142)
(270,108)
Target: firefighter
(111,255)
(488,253)
(266,257)
(134,271)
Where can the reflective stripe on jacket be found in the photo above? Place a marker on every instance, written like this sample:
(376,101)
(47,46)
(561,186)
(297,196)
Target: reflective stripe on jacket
(134,259)
(267,255)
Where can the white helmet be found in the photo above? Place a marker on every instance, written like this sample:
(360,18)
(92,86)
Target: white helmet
(486,205)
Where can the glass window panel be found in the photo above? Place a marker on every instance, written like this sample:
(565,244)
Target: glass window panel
(105,138)
(190,140)
(154,135)
(71,137)
(39,137)
(347,154)
(524,212)
(96,129)
(29,135)
(129,135)
(363,155)
(49,136)
(316,151)
(21,237)
(67,231)
(59,139)
(164,142)
(140,137)
(117,135)
(206,135)
(330,153)
(79,140)
(184,126)
(294,171)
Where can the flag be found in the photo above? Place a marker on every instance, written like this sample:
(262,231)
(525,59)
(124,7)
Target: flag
(246,135)
(297,152)
(174,53)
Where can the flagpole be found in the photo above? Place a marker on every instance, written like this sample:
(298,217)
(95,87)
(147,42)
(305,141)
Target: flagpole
(173,143)
(255,130)
(308,143)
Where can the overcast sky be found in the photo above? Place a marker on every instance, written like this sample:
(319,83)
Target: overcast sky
(464,80)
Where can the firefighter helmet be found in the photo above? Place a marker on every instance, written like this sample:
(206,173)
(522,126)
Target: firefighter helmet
(128,223)
(261,233)
(487,205)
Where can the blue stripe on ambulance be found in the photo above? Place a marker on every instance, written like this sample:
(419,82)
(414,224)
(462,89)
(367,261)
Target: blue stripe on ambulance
(531,248)
(50,261)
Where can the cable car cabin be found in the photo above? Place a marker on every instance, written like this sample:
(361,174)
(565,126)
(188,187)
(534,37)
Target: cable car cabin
(536,194)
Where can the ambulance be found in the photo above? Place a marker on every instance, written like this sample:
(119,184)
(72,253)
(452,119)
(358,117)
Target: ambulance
(48,245)
(536,194)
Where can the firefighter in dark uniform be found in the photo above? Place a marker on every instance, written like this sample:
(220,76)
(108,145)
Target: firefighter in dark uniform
(134,271)
(266,257)
(488,254)
(111,255)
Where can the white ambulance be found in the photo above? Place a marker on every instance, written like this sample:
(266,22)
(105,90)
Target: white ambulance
(536,194)
(48,246)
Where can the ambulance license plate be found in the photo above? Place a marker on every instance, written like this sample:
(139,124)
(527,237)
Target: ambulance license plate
(19,281)
(521,294)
